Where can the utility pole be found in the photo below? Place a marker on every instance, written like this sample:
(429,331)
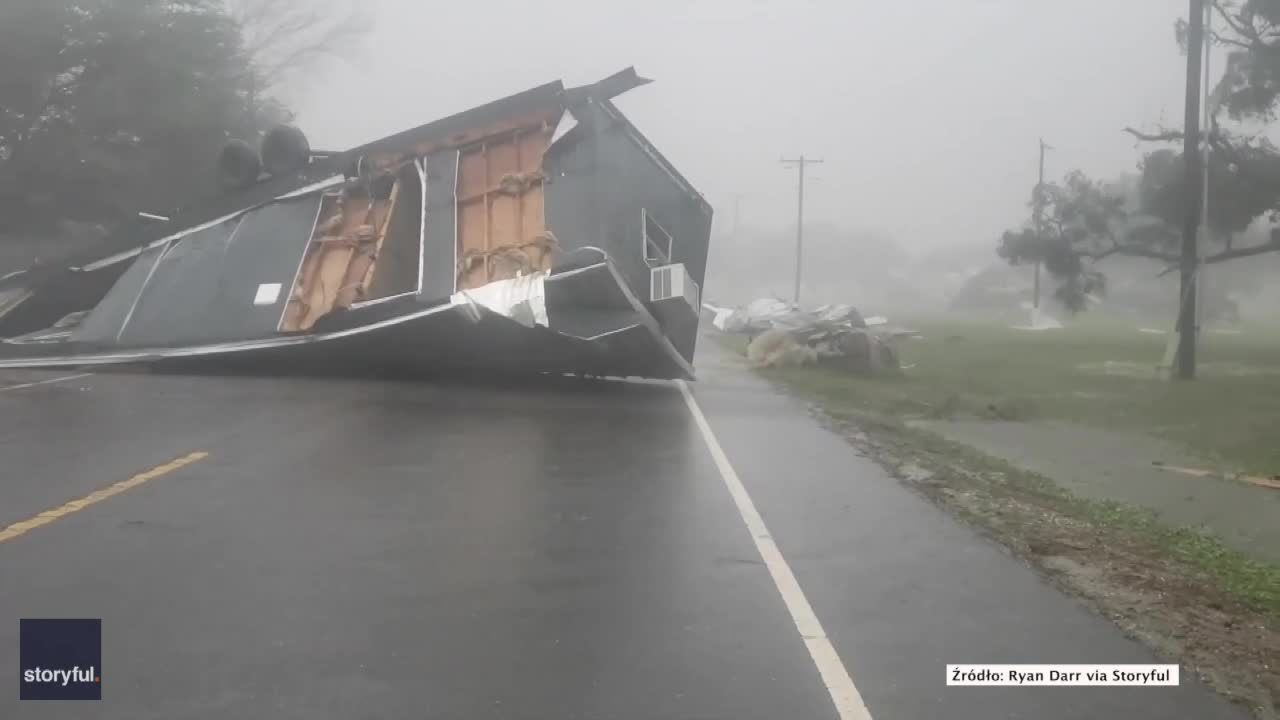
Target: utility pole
(1185,360)
(800,163)
(1206,128)
(1037,221)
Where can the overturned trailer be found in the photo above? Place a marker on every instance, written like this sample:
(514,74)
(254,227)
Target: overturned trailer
(541,233)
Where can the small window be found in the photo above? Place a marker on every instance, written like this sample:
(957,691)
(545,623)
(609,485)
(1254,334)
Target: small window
(657,242)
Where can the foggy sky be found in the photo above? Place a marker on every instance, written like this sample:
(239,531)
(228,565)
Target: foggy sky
(926,112)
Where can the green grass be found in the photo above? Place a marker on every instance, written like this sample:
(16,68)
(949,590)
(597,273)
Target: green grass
(1094,371)
(1002,493)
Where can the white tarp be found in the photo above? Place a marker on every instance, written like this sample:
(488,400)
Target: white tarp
(722,317)
(522,299)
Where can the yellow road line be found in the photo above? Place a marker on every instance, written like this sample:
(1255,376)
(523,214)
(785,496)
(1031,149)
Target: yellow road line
(48,516)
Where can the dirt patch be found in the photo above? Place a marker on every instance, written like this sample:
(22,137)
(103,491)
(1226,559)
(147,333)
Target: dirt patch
(1161,586)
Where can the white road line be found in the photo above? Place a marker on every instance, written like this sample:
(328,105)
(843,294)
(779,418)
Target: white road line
(45,382)
(835,676)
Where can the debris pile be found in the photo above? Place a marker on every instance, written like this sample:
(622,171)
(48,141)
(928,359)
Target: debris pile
(831,335)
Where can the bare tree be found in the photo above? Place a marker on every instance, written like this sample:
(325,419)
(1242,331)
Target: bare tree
(284,40)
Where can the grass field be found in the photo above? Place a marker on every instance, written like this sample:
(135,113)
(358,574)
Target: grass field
(1094,371)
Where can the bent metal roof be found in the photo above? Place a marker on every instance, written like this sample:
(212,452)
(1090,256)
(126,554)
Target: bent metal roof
(135,235)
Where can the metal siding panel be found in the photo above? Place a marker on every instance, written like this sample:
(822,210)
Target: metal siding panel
(439,250)
(628,180)
(570,210)
(203,289)
(174,302)
(266,250)
(103,325)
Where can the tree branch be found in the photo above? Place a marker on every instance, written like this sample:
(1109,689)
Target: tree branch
(1235,23)
(1131,251)
(1162,136)
(1221,39)
(1232,254)
(1225,255)
(281,39)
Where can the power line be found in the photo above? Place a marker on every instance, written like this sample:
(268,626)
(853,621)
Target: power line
(800,163)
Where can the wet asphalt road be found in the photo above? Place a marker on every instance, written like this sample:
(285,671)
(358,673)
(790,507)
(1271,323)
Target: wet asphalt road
(389,550)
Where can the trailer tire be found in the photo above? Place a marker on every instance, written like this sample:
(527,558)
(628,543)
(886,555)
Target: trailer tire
(238,165)
(285,149)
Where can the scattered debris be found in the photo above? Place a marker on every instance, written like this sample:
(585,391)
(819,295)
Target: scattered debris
(779,348)
(831,335)
(1272,482)
(755,318)
(915,473)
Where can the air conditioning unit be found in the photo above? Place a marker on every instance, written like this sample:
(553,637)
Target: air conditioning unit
(671,283)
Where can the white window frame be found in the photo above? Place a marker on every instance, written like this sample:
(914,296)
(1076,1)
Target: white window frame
(652,249)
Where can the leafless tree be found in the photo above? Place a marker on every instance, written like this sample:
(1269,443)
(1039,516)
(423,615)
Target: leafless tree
(284,40)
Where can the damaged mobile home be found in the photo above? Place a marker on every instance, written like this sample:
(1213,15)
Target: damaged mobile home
(541,233)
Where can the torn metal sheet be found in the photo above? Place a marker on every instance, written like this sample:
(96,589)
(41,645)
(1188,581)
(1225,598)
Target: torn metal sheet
(522,299)
(567,123)
(463,243)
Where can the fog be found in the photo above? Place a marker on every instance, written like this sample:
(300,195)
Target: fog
(927,113)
